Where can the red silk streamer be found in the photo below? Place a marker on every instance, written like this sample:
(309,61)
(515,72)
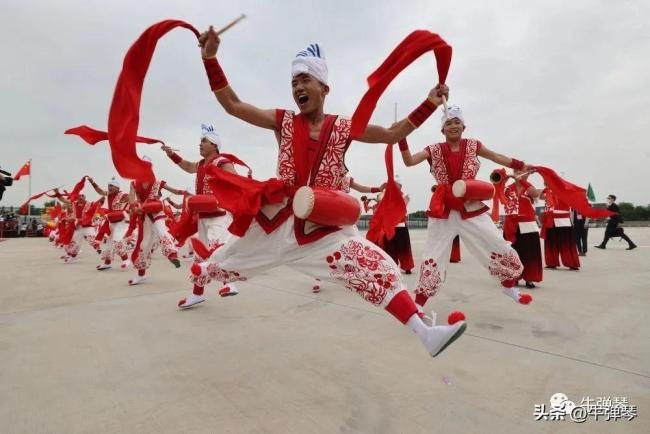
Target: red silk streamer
(138,218)
(104,230)
(87,218)
(185,227)
(78,187)
(411,48)
(233,159)
(243,197)
(124,115)
(24,208)
(438,199)
(390,210)
(203,251)
(55,211)
(499,194)
(66,232)
(93,136)
(571,194)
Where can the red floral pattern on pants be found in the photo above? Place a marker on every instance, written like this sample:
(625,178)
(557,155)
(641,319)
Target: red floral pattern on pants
(143,261)
(167,246)
(219,274)
(506,266)
(430,278)
(73,248)
(364,270)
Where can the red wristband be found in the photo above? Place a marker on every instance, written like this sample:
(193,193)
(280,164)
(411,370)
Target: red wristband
(403,145)
(175,158)
(216,77)
(375,190)
(422,113)
(516,164)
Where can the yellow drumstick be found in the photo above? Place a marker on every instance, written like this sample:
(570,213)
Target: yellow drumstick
(232,23)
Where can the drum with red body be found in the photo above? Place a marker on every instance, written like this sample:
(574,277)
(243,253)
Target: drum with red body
(152,207)
(472,189)
(203,203)
(326,207)
(115,216)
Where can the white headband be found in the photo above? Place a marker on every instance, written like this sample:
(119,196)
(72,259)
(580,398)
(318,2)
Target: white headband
(310,61)
(114,181)
(207,132)
(453,111)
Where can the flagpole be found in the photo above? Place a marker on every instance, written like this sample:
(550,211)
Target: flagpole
(29,213)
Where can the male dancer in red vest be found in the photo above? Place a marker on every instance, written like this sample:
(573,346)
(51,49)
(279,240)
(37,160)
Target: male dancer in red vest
(312,147)
(213,225)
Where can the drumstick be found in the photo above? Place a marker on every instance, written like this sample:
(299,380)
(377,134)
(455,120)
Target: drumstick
(232,23)
(444,107)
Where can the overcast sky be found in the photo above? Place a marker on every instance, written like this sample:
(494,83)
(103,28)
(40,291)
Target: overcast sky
(565,84)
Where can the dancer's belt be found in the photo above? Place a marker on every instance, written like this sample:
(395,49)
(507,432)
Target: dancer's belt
(326,207)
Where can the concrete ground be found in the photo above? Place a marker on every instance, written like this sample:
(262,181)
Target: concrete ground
(81,352)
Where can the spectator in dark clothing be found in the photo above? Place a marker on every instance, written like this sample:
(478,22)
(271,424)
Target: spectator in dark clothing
(613,228)
(581,230)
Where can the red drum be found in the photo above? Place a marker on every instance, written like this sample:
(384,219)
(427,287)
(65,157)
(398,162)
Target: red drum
(115,216)
(152,207)
(203,203)
(471,189)
(326,207)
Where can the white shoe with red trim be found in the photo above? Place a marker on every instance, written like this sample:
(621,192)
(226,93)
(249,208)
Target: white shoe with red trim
(190,301)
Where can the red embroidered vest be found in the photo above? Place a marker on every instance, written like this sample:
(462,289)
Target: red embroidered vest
(440,159)
(326,169)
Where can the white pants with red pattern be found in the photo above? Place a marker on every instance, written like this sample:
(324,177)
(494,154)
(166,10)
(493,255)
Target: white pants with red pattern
(80,234)
(211,231)
(343,257)
(481,237)
(153,231)
(116,243)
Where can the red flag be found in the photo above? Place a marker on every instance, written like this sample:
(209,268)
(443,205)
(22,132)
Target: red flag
(24,171)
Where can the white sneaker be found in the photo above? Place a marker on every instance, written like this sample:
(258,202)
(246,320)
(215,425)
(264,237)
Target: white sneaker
(126,264)
(228,290)
(438,338)
(190,301)
(519,297)
(103,266)
(71,259)
(137,280)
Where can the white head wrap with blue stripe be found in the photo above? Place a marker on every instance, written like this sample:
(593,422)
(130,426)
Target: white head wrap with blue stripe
(208,132)
(310,61)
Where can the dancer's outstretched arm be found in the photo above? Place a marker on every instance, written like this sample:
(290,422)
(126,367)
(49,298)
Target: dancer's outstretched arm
(399,130)
(209,42)
(99,190)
